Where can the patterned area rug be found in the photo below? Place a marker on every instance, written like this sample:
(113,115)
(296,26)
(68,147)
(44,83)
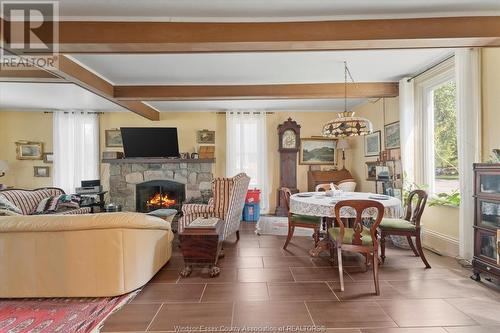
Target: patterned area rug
(65,315)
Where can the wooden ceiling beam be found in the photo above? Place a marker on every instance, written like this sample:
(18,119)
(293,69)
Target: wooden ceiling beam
(251,92)
(170,37)
(75,73)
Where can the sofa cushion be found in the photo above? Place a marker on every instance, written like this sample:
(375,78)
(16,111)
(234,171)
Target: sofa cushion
(8,206)
(6,212)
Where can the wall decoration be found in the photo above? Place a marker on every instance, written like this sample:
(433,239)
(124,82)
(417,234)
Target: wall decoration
(205,136)
(371,170)
(48,157)
(317,151)
(372,144)
(41,171)
(382,172)
(113,138)
(391,136)
(27,150)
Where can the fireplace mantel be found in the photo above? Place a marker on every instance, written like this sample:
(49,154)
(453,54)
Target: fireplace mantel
(145,160)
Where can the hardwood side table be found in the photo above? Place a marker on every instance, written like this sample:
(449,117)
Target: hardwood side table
(201,246)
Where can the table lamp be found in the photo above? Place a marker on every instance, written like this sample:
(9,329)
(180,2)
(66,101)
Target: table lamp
(343,144)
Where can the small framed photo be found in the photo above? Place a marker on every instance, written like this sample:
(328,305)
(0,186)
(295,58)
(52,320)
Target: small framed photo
(382,172)
(113,138)
(371,170)
(29,150)
(372,144)
(48,157)
(205,137)
(41,171)
(392,138)
(317,151)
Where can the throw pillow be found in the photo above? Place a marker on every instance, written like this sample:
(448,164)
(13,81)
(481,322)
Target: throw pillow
(68,202)
(47,205)
(7,205)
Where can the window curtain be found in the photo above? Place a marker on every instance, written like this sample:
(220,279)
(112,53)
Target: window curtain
(407,125)
(76,148)
(468,81)
(247,150)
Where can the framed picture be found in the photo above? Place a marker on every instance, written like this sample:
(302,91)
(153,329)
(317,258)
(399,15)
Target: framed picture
(371,170)
(392,138)
(205,136)
(40,171)
(113,138)
(317,151)
(29,150)
(372,144)
(382,172)
(48,157)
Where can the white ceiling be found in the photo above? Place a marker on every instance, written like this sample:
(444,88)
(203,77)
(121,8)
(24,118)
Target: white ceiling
(50,96)
(260,68)
(269,10)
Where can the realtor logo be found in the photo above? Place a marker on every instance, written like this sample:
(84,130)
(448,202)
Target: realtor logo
(30,34)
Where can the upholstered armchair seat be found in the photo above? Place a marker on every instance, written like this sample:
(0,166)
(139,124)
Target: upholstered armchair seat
(306,219)
(366,238)
(396,224)
(226,204)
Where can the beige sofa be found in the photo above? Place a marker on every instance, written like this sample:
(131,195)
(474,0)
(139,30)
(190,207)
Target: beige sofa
(80,255)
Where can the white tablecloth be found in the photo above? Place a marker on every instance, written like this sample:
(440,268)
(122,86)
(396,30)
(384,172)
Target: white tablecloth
(322,205)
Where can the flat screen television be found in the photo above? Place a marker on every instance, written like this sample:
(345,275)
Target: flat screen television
(150,142)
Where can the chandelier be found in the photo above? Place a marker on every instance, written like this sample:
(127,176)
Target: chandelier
(346,124)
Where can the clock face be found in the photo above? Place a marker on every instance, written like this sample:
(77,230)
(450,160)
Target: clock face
(289,140)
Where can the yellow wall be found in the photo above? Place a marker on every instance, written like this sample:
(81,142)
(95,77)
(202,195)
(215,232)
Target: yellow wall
(20,126)
(490,100)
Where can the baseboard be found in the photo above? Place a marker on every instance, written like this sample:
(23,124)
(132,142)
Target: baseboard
(440,243)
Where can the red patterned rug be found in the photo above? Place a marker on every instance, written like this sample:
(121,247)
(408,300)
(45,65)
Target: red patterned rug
(64,315)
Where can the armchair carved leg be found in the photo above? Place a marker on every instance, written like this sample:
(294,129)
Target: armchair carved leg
(382,247)
(186,271)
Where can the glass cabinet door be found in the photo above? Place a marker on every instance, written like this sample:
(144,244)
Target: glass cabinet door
(489,183)
(489,214)
(486,245)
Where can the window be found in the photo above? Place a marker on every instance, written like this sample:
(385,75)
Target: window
(445,138)
(436,95)
(247,149)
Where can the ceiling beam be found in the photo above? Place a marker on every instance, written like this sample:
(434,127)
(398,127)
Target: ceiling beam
(81,76)
(151,37)
(252,92)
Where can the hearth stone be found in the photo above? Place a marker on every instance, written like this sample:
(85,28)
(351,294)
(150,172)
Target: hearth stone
(125,175)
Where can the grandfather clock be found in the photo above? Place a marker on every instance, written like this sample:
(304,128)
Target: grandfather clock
(289,144)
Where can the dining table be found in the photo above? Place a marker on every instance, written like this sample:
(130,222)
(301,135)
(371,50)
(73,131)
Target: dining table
(322,204)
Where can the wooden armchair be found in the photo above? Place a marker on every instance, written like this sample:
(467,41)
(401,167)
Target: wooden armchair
(301,221)
(227,204)
(409,226)
(358,238)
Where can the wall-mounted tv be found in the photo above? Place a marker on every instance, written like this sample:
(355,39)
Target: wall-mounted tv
(150,142)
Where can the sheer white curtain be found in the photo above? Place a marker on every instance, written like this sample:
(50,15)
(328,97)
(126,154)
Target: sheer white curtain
(407,123)
(247,149)
(468,80)
(76,148)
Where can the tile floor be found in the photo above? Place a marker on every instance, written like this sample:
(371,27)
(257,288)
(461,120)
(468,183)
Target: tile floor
(263,288)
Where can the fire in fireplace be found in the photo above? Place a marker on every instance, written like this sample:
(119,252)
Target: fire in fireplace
(157,194)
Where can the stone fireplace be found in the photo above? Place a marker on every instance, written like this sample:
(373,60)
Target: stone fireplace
(185,181)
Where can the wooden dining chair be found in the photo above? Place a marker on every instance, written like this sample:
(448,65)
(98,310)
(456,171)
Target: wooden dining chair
(409,226)
(359,238)
(296,220)
(325,187)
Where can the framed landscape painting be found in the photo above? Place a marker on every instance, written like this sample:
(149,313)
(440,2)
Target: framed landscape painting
(113,138)
(372,144)
(392,139)
(29,150)
(317,151)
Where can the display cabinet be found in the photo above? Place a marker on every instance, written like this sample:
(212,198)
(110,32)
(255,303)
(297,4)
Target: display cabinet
(487,221)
